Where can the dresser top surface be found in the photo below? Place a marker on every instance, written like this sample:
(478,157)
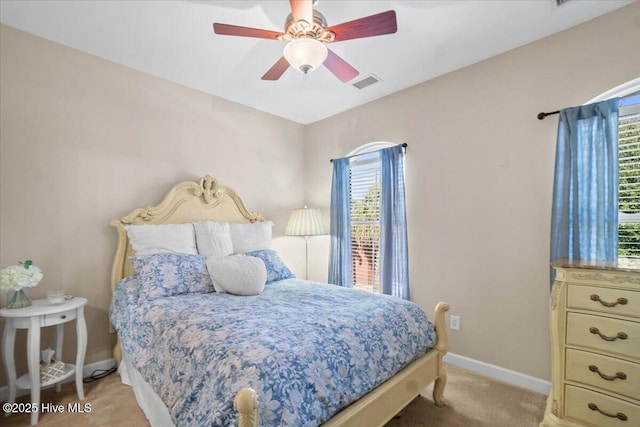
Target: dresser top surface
(623,264)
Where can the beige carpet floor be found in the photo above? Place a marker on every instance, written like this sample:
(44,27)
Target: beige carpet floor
(472,401)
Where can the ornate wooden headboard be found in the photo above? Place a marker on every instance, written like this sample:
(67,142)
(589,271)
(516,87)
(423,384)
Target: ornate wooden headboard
(188,201)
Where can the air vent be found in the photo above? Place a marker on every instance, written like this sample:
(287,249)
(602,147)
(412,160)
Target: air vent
(367,81)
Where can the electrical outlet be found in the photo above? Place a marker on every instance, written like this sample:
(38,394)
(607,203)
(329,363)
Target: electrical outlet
(454,322)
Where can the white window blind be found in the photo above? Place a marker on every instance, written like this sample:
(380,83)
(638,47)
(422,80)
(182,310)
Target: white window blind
(365,220)
(629,189)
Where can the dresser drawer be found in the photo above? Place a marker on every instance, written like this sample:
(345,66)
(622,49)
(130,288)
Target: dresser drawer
(56,319)
(607,300)
(607,373)
(596,409)
(604,333)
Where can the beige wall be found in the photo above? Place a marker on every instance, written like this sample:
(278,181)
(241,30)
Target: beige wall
(84,141)
(479,171)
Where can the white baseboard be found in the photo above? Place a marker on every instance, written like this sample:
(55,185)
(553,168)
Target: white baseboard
(502,374)
(86,371)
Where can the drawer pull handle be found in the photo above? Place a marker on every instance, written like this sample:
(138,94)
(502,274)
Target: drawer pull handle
(619,415)
(618,375)
(619,335)
(64,316)
(621,301)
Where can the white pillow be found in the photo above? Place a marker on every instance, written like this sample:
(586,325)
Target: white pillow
(213,238)
(250,237)
(171,238)
(237,274)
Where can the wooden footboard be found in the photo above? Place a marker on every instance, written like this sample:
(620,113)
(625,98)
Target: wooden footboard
(380,405)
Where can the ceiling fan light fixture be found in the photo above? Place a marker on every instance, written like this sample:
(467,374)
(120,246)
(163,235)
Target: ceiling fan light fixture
(305,55)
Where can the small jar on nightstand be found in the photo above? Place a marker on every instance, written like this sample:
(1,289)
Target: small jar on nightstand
(41,314)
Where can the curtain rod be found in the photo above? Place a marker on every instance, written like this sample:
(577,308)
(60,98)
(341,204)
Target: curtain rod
(405,145)
(627,99)
(541,116)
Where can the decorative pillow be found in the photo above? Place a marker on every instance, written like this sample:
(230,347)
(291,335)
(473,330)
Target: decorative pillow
(165,275)
(153,239)
(237,274)
(131,288)
(276,269)
(250,237)
(213,238)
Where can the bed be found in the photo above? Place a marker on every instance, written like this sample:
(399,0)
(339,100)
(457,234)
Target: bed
(171,349)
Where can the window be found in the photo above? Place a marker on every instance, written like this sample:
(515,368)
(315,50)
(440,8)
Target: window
(629,189)
(364,195)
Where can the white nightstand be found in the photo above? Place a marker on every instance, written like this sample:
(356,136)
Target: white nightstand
(38,315)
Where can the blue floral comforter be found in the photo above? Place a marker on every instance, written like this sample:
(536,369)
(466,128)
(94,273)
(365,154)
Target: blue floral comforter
(307,349)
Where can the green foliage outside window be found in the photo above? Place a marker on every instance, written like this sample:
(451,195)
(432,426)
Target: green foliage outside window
(365,238)
(629,202)
(628,240)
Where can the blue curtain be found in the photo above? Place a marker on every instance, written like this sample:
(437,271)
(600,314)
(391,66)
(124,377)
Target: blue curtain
(340,264)
(394,253)
(584,219)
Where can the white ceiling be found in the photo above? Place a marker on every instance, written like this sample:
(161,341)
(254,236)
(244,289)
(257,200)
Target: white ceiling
(175,40)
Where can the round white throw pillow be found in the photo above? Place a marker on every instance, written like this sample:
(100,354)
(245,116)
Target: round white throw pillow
(237,274)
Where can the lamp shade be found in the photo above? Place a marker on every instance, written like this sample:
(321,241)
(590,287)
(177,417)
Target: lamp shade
(305,55)
(304,222)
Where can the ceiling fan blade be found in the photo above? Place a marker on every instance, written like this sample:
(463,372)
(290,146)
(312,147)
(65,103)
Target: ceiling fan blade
(369,26)
(277,70)
(339,67)
(302,9)
(234,30)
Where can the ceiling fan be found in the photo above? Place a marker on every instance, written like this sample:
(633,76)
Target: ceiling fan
(306,32)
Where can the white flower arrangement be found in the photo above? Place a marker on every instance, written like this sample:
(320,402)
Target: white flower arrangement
(17,277)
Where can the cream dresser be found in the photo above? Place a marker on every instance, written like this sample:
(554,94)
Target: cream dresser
(595,335)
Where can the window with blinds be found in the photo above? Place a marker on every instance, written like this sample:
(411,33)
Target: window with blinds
(629,189)
(364,186)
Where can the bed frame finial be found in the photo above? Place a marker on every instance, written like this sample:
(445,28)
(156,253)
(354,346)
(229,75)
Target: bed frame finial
(209,189)
(246,403)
